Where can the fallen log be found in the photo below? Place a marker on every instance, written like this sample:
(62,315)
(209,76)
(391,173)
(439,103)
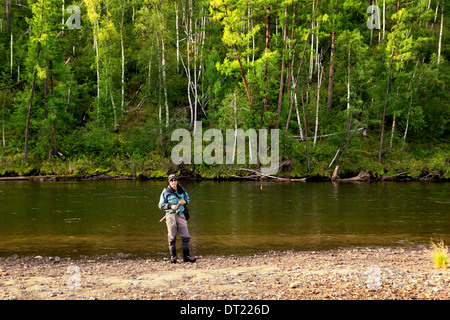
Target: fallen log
(28,178)
(298,180)
(362,176)
(384,178)
(262,175)
(88,177)
(299,138)
(13,178)
(335,176)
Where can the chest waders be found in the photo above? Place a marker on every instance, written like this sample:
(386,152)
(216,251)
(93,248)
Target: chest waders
(178,222)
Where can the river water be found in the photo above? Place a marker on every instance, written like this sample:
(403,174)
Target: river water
(88,218)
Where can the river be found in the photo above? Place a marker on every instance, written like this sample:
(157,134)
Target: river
(88,218)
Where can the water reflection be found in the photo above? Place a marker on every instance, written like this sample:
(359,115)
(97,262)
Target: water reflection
(107,217)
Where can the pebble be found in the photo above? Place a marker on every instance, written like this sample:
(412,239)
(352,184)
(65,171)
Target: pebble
(399,273)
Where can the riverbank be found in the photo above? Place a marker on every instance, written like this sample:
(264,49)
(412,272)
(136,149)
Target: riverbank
(362,176)
(414,163)
(401,273)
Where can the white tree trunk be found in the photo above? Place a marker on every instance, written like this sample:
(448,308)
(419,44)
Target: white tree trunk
(248,30)
(3,126)
(62,22)
(410,104)
(178,37)
(106,95)
(298,116)
(440,36)
(435,15)
(348,83)
(189,40)
(371,35)
(276,31)
(202,36)
(384,17)
(194,83)
(319,84)
(253,46)
(164,83)
(12,42)
(311,58)
(392,133)
(149,73)
(235,126)
(68,97)
(123,64)
(98,71)
(428,8)
(317,46)
(114,110)
(406,129)
(160,86)
(110,93)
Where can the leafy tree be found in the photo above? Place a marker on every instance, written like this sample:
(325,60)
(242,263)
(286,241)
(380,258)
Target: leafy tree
(114,90)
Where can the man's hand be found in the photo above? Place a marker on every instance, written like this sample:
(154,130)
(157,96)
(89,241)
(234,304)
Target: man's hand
(181,202)
(174,206)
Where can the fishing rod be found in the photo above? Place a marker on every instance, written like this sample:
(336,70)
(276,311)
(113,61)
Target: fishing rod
(167,214)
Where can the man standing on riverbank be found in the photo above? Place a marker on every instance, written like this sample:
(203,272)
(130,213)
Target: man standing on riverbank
(173,200)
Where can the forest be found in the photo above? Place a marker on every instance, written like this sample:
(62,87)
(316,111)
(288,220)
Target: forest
(97,87)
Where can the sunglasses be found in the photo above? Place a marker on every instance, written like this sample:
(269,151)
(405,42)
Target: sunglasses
(172,180)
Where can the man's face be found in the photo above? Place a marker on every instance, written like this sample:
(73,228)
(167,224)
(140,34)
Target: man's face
(173,183)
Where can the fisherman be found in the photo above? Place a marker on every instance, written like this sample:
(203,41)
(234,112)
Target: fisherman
(173,200)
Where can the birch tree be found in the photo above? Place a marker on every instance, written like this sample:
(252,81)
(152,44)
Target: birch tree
(392,47)
(331,72)
(93,11)
(39,35)
(123,59)
(194,30)
(152,22)
(319,85)
(280,94)
(440,35)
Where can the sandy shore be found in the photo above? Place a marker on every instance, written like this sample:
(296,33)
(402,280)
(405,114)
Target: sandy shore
(355,273)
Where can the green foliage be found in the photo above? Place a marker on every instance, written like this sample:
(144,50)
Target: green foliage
(82,109)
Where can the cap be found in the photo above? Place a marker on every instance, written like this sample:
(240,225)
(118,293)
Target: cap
(172,176)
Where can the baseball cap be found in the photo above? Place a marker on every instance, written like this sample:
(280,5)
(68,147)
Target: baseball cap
(172,176)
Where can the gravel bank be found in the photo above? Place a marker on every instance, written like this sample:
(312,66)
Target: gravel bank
(352,273)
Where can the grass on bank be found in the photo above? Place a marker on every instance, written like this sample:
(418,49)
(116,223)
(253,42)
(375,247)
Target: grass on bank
(440,254)
(416,161)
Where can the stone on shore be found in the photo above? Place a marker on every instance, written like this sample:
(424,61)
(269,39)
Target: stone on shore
(404,273)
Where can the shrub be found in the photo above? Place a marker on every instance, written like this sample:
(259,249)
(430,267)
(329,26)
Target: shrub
(439,253)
